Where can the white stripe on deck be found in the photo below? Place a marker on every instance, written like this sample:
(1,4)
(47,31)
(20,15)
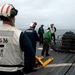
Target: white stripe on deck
(60,65)
(40,48)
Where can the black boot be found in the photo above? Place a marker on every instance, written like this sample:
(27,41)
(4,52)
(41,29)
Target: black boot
(47,54)
(42,54)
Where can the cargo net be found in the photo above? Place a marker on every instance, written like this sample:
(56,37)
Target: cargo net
(67,42)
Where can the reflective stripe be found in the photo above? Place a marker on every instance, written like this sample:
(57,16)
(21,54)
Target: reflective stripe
(29,31)
(6,33)
(11,65)
(2,8)
(7,9)
(10,69)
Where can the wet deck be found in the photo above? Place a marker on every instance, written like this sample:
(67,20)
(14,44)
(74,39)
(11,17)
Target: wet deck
(63,64)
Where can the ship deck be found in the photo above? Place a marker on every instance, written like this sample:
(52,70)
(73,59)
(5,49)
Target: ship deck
(63,63)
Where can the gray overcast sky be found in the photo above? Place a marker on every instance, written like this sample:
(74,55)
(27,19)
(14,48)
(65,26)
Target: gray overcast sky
(59,12)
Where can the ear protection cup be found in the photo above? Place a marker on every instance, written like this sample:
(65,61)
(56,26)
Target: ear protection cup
(13,12)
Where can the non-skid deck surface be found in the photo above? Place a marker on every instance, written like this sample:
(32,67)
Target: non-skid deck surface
(63,64)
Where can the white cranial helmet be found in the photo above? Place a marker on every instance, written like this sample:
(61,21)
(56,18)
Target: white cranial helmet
(7,10)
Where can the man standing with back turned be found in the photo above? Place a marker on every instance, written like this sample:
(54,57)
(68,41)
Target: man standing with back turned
(41,32)
(32,35)
(12,45)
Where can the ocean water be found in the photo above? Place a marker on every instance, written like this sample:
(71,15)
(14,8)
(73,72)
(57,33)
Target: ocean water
(59,32)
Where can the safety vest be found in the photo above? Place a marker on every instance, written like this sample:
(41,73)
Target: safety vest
(52,29)
(11,56)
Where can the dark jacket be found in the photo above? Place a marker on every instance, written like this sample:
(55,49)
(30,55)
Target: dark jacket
(29,55)
(41,30)
(33,36)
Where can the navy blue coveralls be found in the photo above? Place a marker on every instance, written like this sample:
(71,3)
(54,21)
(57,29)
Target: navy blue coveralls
(33,36)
